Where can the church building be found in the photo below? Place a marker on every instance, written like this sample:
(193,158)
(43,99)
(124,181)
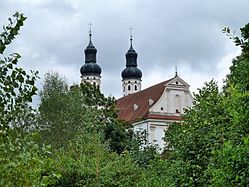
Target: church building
(151,109)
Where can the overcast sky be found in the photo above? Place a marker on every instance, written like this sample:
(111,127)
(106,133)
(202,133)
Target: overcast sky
(167,33)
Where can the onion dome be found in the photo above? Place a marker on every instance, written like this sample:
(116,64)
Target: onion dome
(90,66)
(131,70)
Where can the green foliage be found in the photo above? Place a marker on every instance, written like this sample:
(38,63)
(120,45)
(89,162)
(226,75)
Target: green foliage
(65,113)
(230,165)
(212,142)
(53,120)
(164,172)
(211,133)
(11,30)
(142,152)
(89,146)
(239,74)
(118,137)
(88,162)
(16,86)
(201,132)
(242,42)
(24,163)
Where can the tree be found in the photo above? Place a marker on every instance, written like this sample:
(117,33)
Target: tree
(16,86)
(239,71)
(67,112)
(200,133)
(60,110)
(212,142)
(230,165)
(22,161)
(87,161)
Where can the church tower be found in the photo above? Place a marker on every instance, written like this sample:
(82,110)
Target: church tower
(131,74)
(90,71)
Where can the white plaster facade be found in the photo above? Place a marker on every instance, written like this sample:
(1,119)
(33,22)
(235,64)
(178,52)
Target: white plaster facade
(155,130)
(92,79)
(176,96)
(131,86)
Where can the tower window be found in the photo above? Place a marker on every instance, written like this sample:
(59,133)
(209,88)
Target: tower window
(129,87)
(135,81)
(135,87)
(87,78)
(94,78)
(94,83)
(129,81)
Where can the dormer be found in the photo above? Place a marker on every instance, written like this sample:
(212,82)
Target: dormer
(135,107)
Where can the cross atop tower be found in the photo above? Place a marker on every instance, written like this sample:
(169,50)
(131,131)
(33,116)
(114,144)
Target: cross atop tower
(131,33)
(176,71)
(90,29)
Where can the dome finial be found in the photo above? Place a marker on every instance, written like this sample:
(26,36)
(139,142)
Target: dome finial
(131,34)
(176,71)
(90,30)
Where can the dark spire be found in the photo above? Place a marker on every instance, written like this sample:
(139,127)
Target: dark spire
(90,66)
(131,55)
(131,70)
(131,48)
(90,36)
(90,51)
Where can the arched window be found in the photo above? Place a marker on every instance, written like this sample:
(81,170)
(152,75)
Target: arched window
(129,87)
(94,83)
(135,87)
(177,103)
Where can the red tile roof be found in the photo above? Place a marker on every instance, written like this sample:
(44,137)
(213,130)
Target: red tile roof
(141,99)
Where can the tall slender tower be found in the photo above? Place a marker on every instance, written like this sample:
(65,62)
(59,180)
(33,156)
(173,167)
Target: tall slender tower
(90,71)
(131,74)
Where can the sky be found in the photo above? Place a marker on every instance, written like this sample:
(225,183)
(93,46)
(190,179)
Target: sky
(166,33)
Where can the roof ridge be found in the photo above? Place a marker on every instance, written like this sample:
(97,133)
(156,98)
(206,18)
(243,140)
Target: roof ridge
(141,99)
(133,94)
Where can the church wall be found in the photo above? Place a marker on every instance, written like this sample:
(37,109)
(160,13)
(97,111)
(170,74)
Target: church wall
(155,131)
(141,126)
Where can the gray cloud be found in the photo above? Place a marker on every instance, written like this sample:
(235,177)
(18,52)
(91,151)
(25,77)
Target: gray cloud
(186,33)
